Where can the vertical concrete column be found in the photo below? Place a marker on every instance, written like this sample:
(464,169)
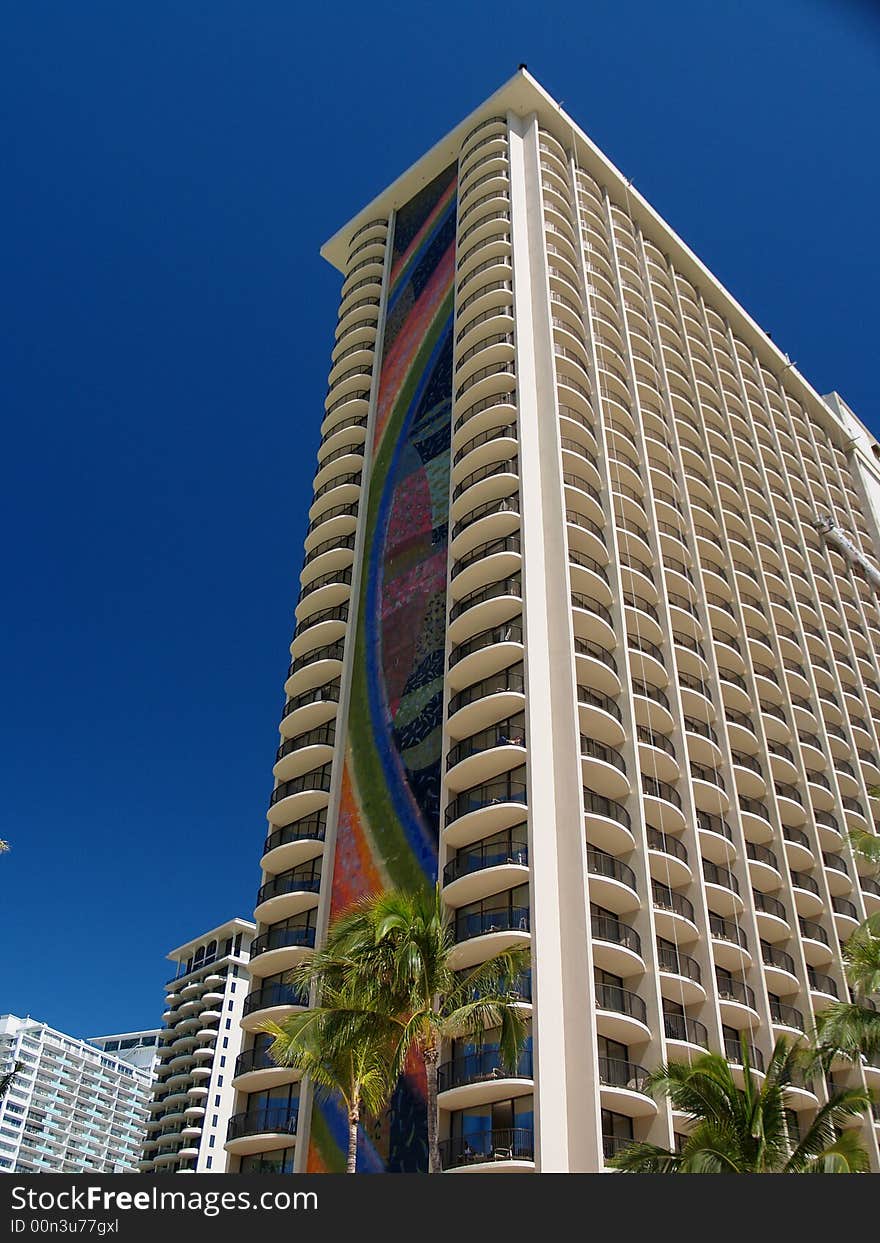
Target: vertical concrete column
(567,1121)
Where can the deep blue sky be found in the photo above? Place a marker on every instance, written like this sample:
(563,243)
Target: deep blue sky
(169,172)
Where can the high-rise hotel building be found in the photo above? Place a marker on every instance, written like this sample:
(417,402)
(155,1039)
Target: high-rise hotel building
(570,641)
(193,1093)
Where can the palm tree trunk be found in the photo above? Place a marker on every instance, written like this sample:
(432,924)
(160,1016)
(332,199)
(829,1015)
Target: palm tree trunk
(431,1058)
(354,1111)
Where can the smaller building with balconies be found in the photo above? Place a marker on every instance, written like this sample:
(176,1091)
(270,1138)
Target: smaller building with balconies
(201,1039)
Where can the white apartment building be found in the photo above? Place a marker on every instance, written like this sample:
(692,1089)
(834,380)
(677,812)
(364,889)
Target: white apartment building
(139,1049)
(588,631)
(192,1092)
(71,1107)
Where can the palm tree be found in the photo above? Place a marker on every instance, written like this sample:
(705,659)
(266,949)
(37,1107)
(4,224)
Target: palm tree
(6,1080)
(851,1029)
(743,1130)
(345,1052)
(393,952)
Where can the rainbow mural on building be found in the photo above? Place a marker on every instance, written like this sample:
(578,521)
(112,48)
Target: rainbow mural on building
(389,815)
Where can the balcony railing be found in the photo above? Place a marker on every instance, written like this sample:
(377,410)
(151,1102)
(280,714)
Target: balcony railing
(669,959)
(470,924)
(284,938)
(680,1027)
(727,930)
(736,990)
(275,994)
(505,790)
(482,1065)
(600,863)
(501,1144)
(487,855)
(313,828)
(617,1072)
(774,957)
(666,899)
(621,1001)
(788,1016)
(607,928)
(274,1119)
(734,1053)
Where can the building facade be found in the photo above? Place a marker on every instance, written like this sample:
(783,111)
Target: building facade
(139,1049)
(569,641)
(192,1092)
(71,1108)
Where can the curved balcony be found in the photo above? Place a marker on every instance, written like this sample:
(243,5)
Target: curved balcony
(680,975)
(763,866)
(279,949)
(288,893)
(710,794)
(490,482)
(487,931)
(828,830)
(486,563)
(487,753)
(797,849)
(662,804)
(671,858)
(621,1014)
(294,799)
(607,824)
(624,1088)
(596,667)
(603,769)
(779,969)
(755,817)
(492,1151)
(816,943)
(473,708)
(593,621)
(806,894)
(656,754)
(305,752)
(599,716)
(787,1017)
(485,608)
(260,1130)
(481,1076)
(737,1001)
(487,867)
(730,945)
(486,808)
(722,889)
(256,1071)
(310,709)
(846,917)
(688,1036)
(271,1002)
(822,987)
(493,520)
(294,843)
(616,946)
(612,883)
(772,917)
(733,1051)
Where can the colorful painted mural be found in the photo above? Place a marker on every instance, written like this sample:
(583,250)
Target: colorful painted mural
(389,815)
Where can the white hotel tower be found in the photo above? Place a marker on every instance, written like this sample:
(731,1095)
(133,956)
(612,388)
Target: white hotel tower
(577,638)
(192,1092)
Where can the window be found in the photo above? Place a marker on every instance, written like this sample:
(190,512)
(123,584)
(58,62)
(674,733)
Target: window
(225,1042)
(209,1162)
(212,1140)
(222,1060)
